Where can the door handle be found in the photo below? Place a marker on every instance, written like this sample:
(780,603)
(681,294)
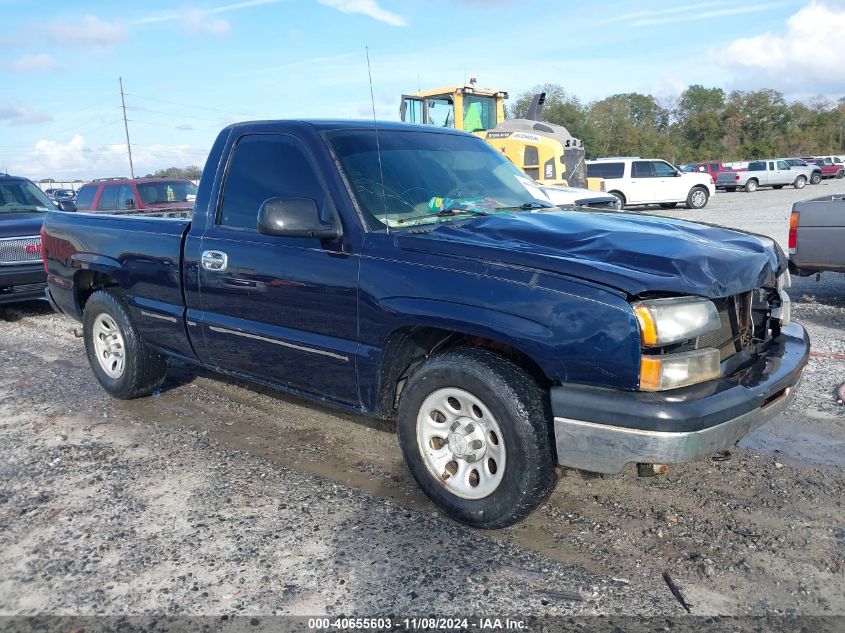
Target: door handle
(215,261)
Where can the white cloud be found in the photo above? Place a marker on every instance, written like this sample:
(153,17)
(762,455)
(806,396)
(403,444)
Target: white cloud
(797,58)
(706,15)
(75,159)
(366,7)
(200,23)
(89,31)
(41,61)
(14,114)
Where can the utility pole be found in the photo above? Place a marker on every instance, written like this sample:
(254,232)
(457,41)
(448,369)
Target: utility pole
(126,128)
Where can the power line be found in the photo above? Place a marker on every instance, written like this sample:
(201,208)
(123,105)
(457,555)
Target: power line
(187,105)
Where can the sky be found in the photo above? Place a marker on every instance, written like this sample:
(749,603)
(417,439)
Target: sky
(191,67)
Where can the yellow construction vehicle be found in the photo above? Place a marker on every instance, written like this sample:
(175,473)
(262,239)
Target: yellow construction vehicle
(546,152)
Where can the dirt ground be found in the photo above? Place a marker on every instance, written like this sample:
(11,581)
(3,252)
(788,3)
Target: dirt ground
(216,496)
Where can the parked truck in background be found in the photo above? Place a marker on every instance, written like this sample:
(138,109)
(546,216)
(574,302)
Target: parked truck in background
(714,168)
(774,172)
(829,166)
(811,170)
(23,207)
(817,235)
(416,274)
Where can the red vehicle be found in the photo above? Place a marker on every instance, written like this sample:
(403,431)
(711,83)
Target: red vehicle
(156,195)
(714,168)
(829,166)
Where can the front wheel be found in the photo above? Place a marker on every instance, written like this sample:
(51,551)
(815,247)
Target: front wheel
(475,430)
(697,198)
(122,363)
(799,182)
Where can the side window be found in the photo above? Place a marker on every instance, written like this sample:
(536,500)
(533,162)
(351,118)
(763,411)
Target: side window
(125,197)
(605,170)
(85,197)
(663,170)
(714,166)
(641,169)
(782,164)
(771,166)
(108,199)
(441,112)
(266,166)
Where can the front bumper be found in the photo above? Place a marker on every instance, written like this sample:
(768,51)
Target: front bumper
(21,283)
(602,430)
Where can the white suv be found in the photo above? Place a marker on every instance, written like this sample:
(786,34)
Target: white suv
(637,180)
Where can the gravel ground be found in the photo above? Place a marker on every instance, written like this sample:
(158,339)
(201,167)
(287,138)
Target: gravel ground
(219,497)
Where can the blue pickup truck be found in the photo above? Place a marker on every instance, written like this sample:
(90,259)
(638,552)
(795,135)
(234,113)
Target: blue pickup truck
(416,274)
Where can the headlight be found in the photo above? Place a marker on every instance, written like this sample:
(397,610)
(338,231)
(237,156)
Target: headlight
(665,321)
(671,371)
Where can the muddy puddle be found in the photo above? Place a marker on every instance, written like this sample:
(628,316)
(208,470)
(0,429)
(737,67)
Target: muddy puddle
(806,439)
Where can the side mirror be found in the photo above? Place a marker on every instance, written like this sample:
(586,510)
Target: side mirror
(295,217)
(67,205)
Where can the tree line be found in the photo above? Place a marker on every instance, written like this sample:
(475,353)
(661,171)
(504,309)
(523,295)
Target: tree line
(191,172)
(701,124)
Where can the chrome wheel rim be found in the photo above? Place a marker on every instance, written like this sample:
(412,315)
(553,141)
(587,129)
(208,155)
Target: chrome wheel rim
(752,186)
(461,443)
(108,346)
(699,199)
(799,184)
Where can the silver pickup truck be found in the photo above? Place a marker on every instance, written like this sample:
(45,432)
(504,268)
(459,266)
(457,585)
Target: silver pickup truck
(817,235)
(775,173)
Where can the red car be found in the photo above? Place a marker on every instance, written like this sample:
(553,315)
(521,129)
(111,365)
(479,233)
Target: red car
(714,168)
(113,195)
(832,167)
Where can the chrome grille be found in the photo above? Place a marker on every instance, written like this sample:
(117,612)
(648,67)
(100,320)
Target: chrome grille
(20,250)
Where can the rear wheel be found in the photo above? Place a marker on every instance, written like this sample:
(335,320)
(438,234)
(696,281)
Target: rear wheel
(475,430)
(800,182)
(815,178)
(840,174)
(122,363)
(751,186)
(697,198)
(620,197)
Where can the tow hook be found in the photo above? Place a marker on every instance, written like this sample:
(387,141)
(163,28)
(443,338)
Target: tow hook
(651,470)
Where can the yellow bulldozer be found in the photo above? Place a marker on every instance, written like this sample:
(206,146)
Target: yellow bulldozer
(546,152)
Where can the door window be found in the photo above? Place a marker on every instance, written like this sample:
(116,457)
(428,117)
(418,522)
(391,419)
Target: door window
(663,170)
(782,165)
(125,197)
(108,199)
(441,112)
(714,166)
(266,166)
(85,197)
(413,110)
(642,169)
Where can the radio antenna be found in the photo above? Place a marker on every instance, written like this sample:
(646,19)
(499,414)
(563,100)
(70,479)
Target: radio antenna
(378,144)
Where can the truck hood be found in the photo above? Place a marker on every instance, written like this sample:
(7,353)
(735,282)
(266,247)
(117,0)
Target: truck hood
(634,253)
(22,224)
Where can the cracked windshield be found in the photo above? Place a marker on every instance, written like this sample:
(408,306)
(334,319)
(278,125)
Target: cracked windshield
(430,178)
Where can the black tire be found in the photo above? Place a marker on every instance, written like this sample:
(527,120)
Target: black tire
(777,186)
(800,182)
(620,197)
(815,178)
(697,198)
(840,174)
(144,369)
(668,205)
(521,410)
(751,186)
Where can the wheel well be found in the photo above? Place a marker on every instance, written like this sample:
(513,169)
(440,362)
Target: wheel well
(614,192)
(87,282)
(409,346)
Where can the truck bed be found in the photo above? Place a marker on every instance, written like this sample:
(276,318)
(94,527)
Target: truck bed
(143,253)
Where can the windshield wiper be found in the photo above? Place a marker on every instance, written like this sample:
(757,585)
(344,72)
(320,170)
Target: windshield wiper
(526,206)
(443,213)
